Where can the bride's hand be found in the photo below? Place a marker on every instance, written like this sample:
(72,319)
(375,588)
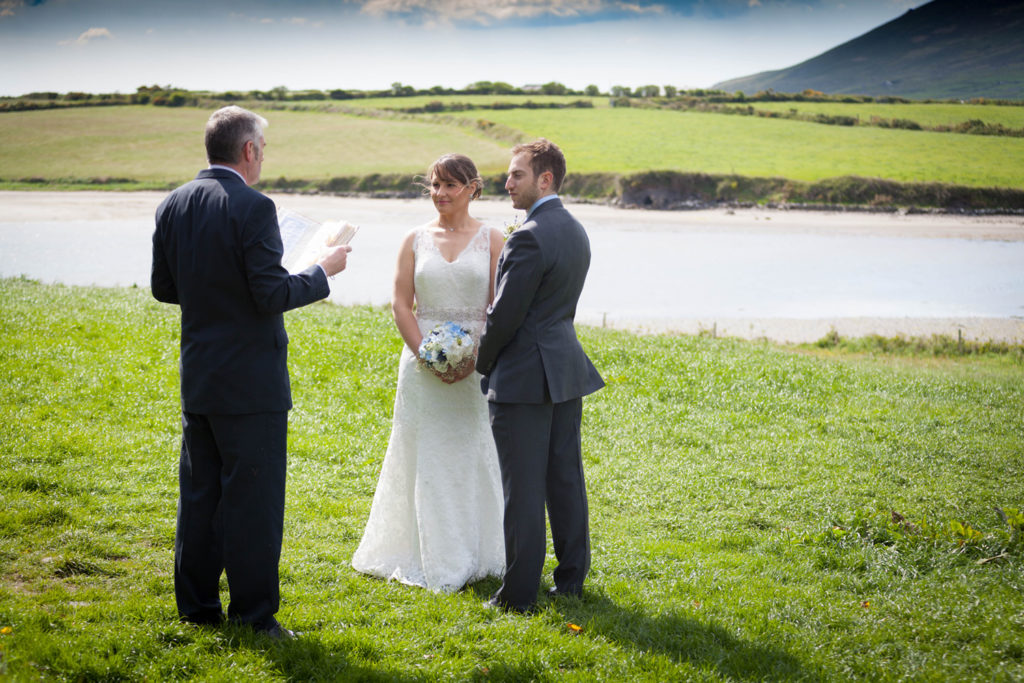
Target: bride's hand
(459,373)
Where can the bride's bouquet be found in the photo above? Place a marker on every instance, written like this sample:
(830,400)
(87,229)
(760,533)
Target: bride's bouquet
(447,348)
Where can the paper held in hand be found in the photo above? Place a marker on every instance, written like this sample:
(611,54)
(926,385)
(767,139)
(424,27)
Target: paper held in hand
(305,240)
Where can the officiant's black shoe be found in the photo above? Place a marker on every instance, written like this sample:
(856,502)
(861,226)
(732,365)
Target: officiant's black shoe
(557,592)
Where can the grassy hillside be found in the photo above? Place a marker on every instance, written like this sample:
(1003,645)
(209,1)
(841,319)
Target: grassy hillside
(742,500)
(641,154)
(164,146)
(160,146)
(927,115)
(942,49)
(625,140)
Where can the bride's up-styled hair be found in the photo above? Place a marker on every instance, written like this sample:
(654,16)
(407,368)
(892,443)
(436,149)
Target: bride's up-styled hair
(455,167)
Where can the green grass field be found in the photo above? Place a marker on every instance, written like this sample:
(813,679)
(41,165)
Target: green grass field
(626,140)
(741,501)
(932,114)
(165,146)
(159,147)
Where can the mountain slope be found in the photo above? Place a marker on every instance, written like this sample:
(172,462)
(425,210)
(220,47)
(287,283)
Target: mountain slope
(944,49)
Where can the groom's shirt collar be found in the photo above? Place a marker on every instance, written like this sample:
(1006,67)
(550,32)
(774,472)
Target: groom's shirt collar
(545,198)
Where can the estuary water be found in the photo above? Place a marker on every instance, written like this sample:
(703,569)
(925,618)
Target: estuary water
(647,267)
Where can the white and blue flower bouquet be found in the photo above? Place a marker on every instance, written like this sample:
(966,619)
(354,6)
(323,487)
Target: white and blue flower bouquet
(447,348)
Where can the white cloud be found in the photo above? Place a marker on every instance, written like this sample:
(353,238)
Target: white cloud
(303,21)
(7,7)
(265,20)
(488,11)
(635,8)
(88,36)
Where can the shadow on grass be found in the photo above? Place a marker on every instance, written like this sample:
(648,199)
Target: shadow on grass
(681,638)
(306,658)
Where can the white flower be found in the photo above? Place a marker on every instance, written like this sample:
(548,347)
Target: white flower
(446,346)
(511,228)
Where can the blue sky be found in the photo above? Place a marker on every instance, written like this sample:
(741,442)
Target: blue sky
(118,45)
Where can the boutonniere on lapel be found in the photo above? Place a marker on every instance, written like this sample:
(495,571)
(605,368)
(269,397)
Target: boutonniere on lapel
(511,228)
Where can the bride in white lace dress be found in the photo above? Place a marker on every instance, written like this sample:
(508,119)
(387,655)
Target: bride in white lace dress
(436,517)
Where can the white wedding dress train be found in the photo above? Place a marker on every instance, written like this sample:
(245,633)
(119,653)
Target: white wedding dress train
(436,516)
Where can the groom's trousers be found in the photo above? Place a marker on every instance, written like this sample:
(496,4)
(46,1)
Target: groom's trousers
(540,455)
(231,481)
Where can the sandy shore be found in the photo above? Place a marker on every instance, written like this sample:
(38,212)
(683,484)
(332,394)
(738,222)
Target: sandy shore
(91,206)
(30,207)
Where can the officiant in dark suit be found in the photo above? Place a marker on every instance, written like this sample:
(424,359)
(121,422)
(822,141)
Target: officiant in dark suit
(217,254)
(535,375)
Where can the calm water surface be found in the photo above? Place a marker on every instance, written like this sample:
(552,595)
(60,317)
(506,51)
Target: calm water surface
(644,265)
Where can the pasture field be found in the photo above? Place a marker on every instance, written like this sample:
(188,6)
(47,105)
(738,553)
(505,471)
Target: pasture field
(625,140)
(931,114)
(162,146)
(926,114)
(158,147)
(758,513)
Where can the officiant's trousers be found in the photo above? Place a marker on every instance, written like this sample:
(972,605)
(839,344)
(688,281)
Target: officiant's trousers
(231,481)
(540,454)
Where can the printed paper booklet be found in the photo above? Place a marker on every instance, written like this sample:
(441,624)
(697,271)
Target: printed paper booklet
(305,240)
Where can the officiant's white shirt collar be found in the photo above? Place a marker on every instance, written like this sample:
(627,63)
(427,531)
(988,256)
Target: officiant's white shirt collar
(545,198)
(228,168)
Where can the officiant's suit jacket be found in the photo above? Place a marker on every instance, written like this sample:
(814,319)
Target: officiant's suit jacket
(529,352)
(217,253)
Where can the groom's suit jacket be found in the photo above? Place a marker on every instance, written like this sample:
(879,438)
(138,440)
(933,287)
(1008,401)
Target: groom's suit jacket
(529,352)
(217,253)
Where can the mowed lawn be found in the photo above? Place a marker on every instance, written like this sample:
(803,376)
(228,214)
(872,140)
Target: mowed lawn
(160,145)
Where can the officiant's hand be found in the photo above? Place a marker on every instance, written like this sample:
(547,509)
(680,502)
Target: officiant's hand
(335,260)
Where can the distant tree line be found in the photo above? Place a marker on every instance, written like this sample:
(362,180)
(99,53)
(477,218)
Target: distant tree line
(639,96)
(644,96)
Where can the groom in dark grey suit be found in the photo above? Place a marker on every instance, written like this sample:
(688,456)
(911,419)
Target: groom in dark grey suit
(535,375)
(217,254)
